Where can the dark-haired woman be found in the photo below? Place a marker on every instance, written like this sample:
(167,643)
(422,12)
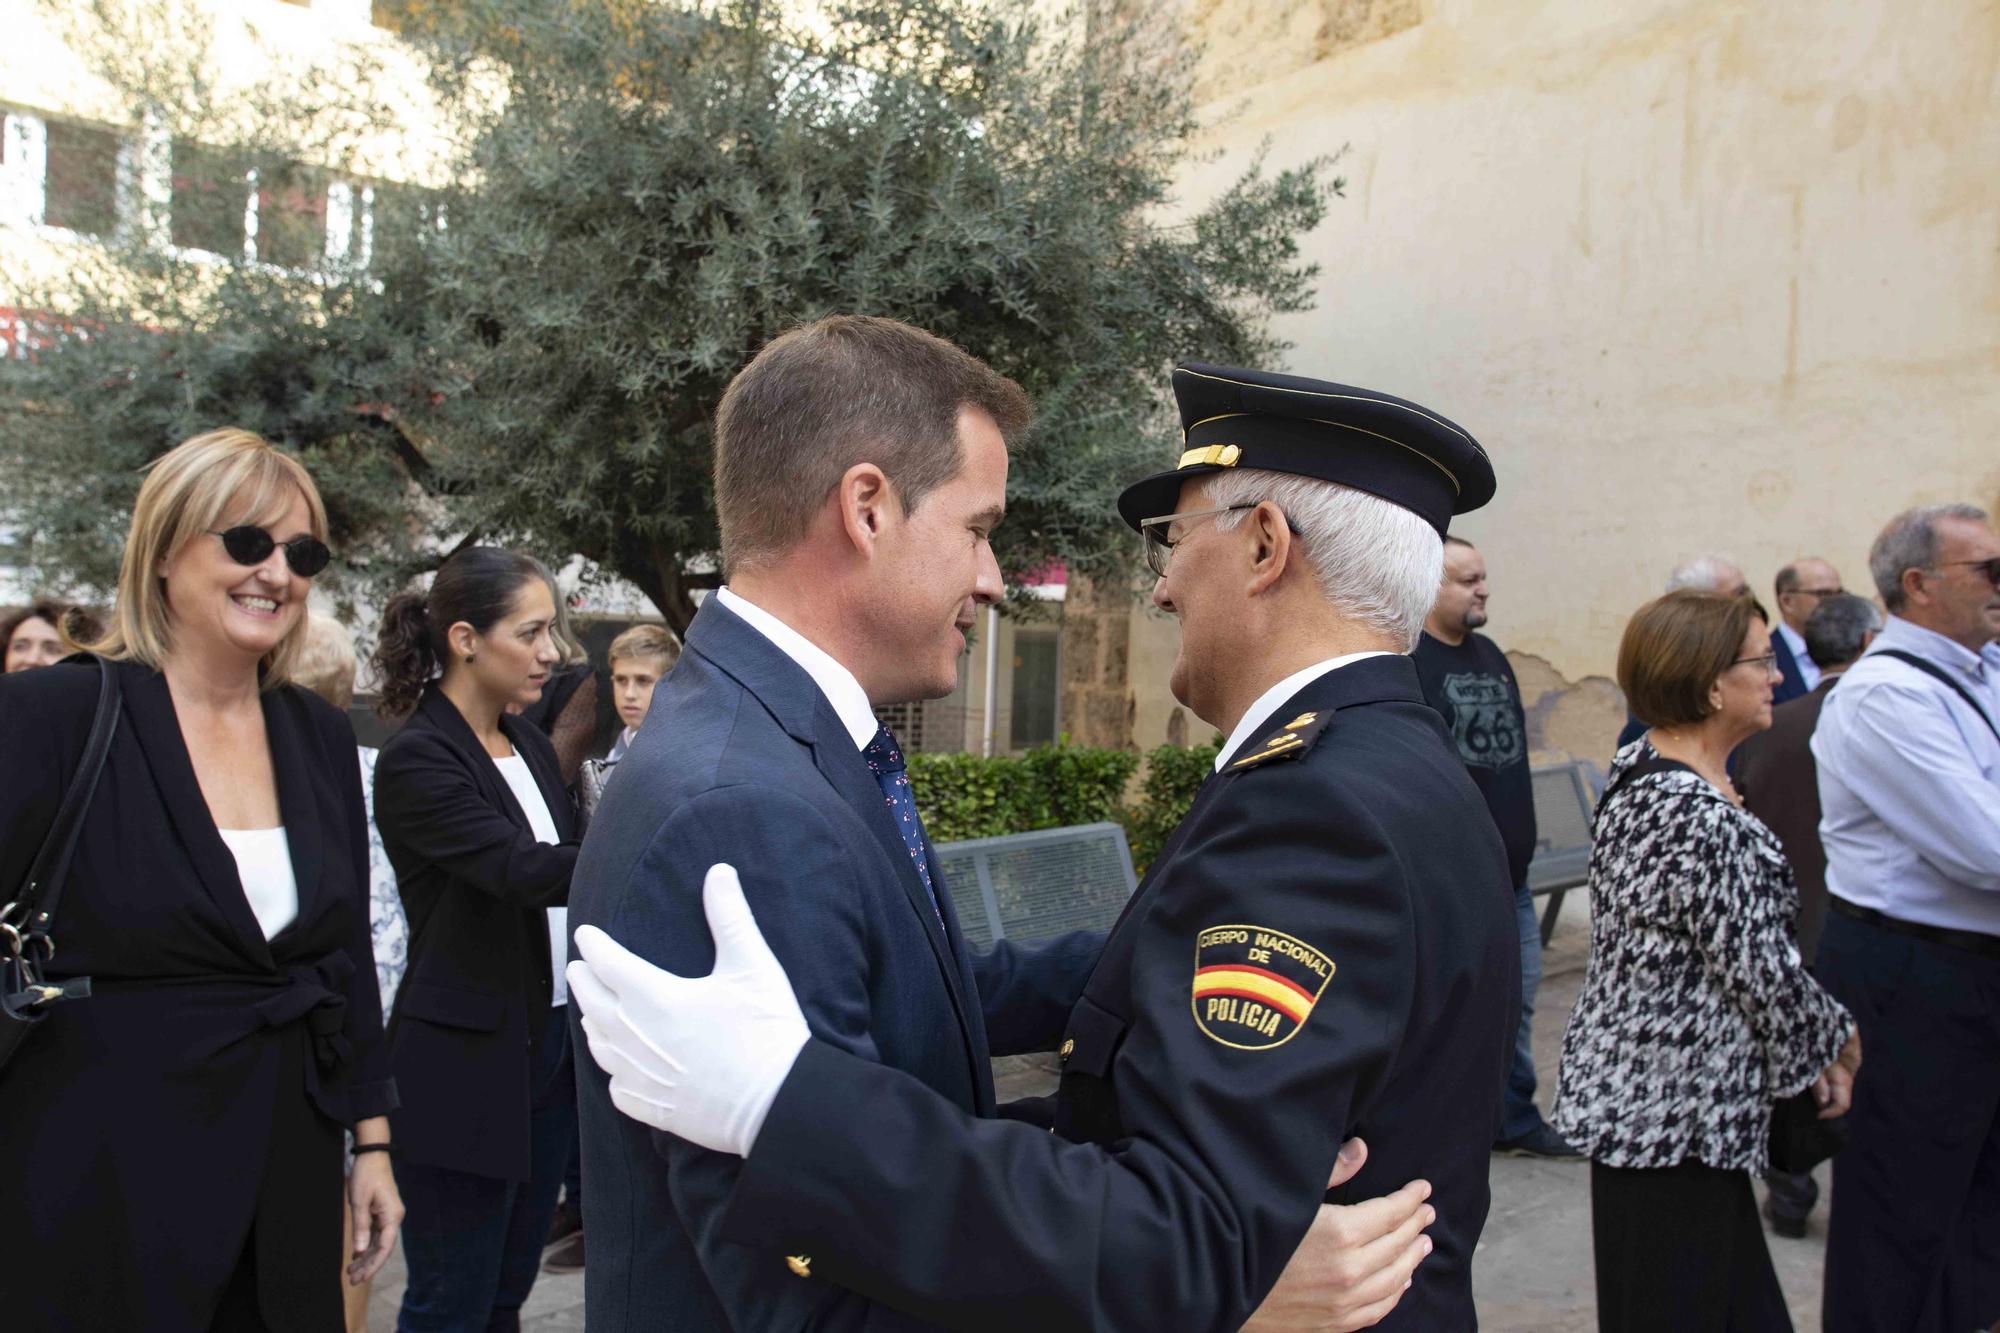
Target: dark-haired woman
(43,634)
(473,813)
(1697,1013)
(173,1141)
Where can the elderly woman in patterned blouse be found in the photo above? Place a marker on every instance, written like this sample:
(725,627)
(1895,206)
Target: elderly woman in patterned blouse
(326,667)
(1697,1013)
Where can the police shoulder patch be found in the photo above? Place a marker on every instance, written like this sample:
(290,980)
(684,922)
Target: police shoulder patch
(1287,742)
(1254,988)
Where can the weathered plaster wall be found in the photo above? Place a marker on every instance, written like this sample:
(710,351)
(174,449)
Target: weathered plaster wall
(1701,276)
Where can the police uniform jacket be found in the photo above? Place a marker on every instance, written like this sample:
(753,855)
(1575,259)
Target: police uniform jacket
(476,886)
(743,759)
(191,1106)
(1325,948)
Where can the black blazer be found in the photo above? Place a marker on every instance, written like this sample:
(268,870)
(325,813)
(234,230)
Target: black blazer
(472,1005)
(143,1125)
(1793,683)
(742,759)
(1778,780)
(1326,947)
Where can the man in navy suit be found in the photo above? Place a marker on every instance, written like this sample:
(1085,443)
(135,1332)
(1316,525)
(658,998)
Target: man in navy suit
(1325,947)
(1801,587)
(860,468)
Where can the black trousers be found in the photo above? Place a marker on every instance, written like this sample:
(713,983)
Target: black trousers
(1913,1241)
(1680,1249)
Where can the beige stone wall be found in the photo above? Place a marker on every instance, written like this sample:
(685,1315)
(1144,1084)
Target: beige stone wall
(1701,276)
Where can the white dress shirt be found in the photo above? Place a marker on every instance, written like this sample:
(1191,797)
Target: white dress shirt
(1808,669)
(836,682)
(264,864)
(621,745)
(1271,700)
(521,781)
(1909,784)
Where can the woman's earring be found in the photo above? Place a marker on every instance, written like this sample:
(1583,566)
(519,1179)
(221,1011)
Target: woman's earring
(470,658)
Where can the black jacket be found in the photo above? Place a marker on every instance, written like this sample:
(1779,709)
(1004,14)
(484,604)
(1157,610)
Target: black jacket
(1326,947)
(475,885)
(196,1096)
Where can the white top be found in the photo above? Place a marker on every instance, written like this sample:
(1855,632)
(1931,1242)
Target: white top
(264,864)
(522,783)
(1272,699)
(1808,669)
(836,682)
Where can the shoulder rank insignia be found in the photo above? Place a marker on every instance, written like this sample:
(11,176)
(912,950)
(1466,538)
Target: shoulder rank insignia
(1254,988)
(1294,738)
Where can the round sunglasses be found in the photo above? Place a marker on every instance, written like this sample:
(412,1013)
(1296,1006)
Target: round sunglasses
(251,545)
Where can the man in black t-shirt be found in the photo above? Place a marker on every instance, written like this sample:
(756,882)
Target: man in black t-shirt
(1466,678)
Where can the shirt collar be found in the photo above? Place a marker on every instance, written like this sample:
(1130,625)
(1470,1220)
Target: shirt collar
(1270,700)
(836,682)
(1912,637)
(1793,640)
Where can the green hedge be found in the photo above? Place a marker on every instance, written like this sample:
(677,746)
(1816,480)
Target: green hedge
(969,796)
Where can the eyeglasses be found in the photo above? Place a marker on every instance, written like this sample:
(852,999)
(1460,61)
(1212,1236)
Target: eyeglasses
(1819,592)
(1991,568)
(251,545)
(1767,663)
(1159,549)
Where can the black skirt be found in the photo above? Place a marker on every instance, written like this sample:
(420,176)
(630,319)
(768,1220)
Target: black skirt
(1680,1249)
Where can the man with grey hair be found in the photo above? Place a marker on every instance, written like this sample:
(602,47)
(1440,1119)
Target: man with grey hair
(1908,749)
(1325,943)
(1710,573)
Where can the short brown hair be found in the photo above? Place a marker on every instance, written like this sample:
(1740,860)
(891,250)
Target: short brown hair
(186,493)
(1674,648)
(825,396)
(644,641)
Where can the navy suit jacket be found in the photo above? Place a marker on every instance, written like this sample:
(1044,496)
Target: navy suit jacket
(744,760)
(1793,686)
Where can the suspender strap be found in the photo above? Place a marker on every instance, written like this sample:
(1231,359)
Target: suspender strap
(1930,668)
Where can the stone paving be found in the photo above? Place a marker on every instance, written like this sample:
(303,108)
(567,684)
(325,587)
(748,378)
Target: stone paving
(1532,1271)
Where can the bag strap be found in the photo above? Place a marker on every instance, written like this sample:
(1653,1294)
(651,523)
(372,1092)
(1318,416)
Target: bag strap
(35,907)
(1930,668)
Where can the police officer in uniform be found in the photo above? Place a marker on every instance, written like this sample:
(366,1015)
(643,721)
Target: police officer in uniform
(1325,948)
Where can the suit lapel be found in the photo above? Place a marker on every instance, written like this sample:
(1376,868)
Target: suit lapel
(150,707)
(292,756)
(782,686)
(441,713)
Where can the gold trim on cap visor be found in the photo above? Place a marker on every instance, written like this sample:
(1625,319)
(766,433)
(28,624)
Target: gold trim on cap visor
(1219,455)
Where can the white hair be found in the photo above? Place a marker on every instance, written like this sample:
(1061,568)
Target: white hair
(1706,572)
(1377,562)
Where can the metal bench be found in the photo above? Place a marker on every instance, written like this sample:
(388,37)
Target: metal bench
(1029,887)
(1565,798)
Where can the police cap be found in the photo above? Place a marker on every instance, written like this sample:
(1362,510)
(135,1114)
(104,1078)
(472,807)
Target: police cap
(1406,454)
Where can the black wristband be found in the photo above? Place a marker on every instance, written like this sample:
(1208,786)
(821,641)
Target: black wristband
(360,1148)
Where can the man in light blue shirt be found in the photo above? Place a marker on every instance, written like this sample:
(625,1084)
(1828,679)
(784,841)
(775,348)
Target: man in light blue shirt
(1909,777)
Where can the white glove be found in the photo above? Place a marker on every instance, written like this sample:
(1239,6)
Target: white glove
(701,1057)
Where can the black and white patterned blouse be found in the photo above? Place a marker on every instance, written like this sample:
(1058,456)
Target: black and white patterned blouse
(1697,1012)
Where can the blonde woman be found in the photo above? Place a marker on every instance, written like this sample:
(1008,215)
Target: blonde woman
(174,1140)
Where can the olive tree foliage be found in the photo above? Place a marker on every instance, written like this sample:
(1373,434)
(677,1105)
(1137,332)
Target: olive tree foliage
(636,197)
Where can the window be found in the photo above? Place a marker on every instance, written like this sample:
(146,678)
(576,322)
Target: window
(80,179)
(211,195)
(291,217)
(1035,687)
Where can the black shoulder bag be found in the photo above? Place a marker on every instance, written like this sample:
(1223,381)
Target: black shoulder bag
(1799,1139)
(25,995)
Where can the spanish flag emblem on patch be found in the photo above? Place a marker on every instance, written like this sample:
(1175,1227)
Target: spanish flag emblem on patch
(1254,987)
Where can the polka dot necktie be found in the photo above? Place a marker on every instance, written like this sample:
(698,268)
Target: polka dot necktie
(885,761)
